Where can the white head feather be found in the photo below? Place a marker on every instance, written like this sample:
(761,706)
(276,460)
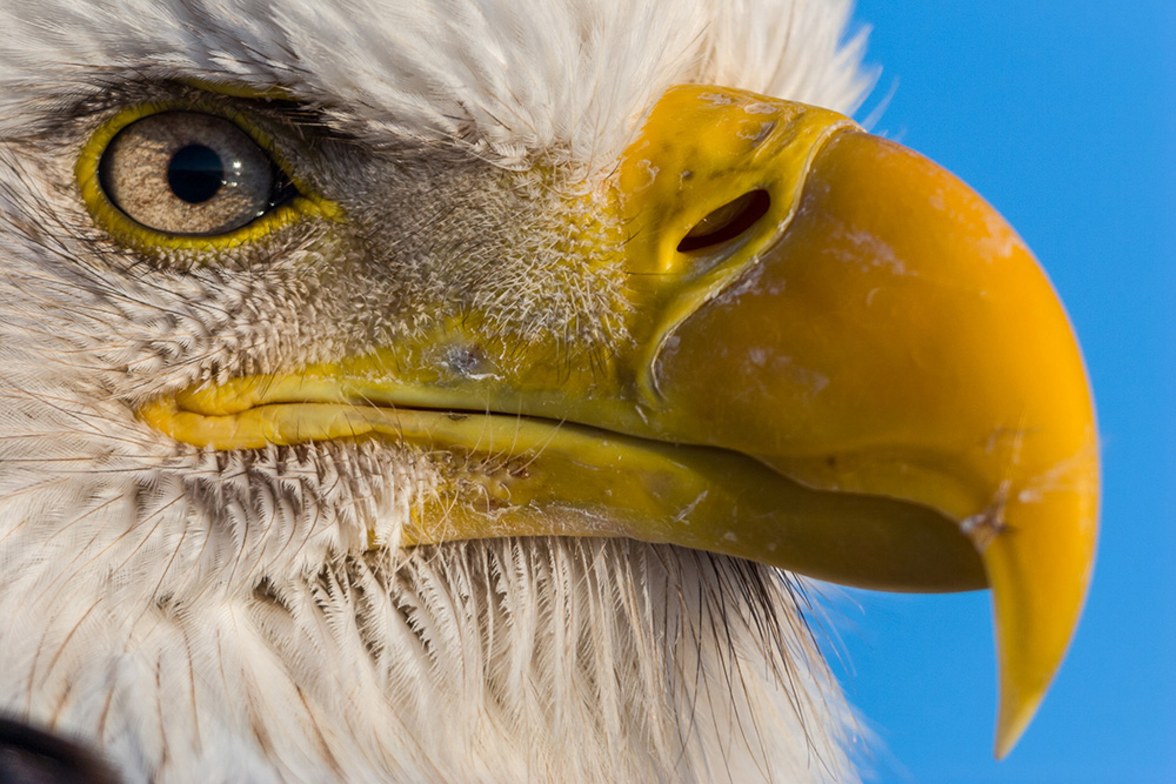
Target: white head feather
(204,616)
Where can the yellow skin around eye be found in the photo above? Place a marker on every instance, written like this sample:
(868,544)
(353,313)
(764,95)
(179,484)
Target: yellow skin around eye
(134,234)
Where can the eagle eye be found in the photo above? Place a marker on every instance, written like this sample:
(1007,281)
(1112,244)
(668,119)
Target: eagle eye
(189,173)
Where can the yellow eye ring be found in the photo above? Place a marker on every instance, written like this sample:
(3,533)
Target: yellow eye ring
(126,230)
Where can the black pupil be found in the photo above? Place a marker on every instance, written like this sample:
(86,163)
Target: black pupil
(195,173)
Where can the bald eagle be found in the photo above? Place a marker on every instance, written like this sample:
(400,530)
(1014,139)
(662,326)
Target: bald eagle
(464,390)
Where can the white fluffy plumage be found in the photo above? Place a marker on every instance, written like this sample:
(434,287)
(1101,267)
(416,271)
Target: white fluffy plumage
(202,616)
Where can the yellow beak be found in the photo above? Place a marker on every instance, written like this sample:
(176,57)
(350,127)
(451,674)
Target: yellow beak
(899,339)
(843,362)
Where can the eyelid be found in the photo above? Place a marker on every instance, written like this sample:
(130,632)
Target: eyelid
(306,204)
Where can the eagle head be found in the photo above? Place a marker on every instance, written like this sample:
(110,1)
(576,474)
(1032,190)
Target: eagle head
(464,390)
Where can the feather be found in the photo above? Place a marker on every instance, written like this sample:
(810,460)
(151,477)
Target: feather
(212,616)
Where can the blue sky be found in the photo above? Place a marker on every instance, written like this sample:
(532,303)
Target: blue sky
(1063,115)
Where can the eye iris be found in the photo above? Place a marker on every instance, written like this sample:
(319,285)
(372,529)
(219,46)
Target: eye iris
(195,173)
(189,174)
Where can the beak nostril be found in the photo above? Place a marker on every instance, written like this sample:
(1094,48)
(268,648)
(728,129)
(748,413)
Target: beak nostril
(727,222)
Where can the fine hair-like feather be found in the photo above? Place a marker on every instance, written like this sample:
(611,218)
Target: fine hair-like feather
(203,616)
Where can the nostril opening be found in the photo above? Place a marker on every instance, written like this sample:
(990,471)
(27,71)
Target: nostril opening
(727,222)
